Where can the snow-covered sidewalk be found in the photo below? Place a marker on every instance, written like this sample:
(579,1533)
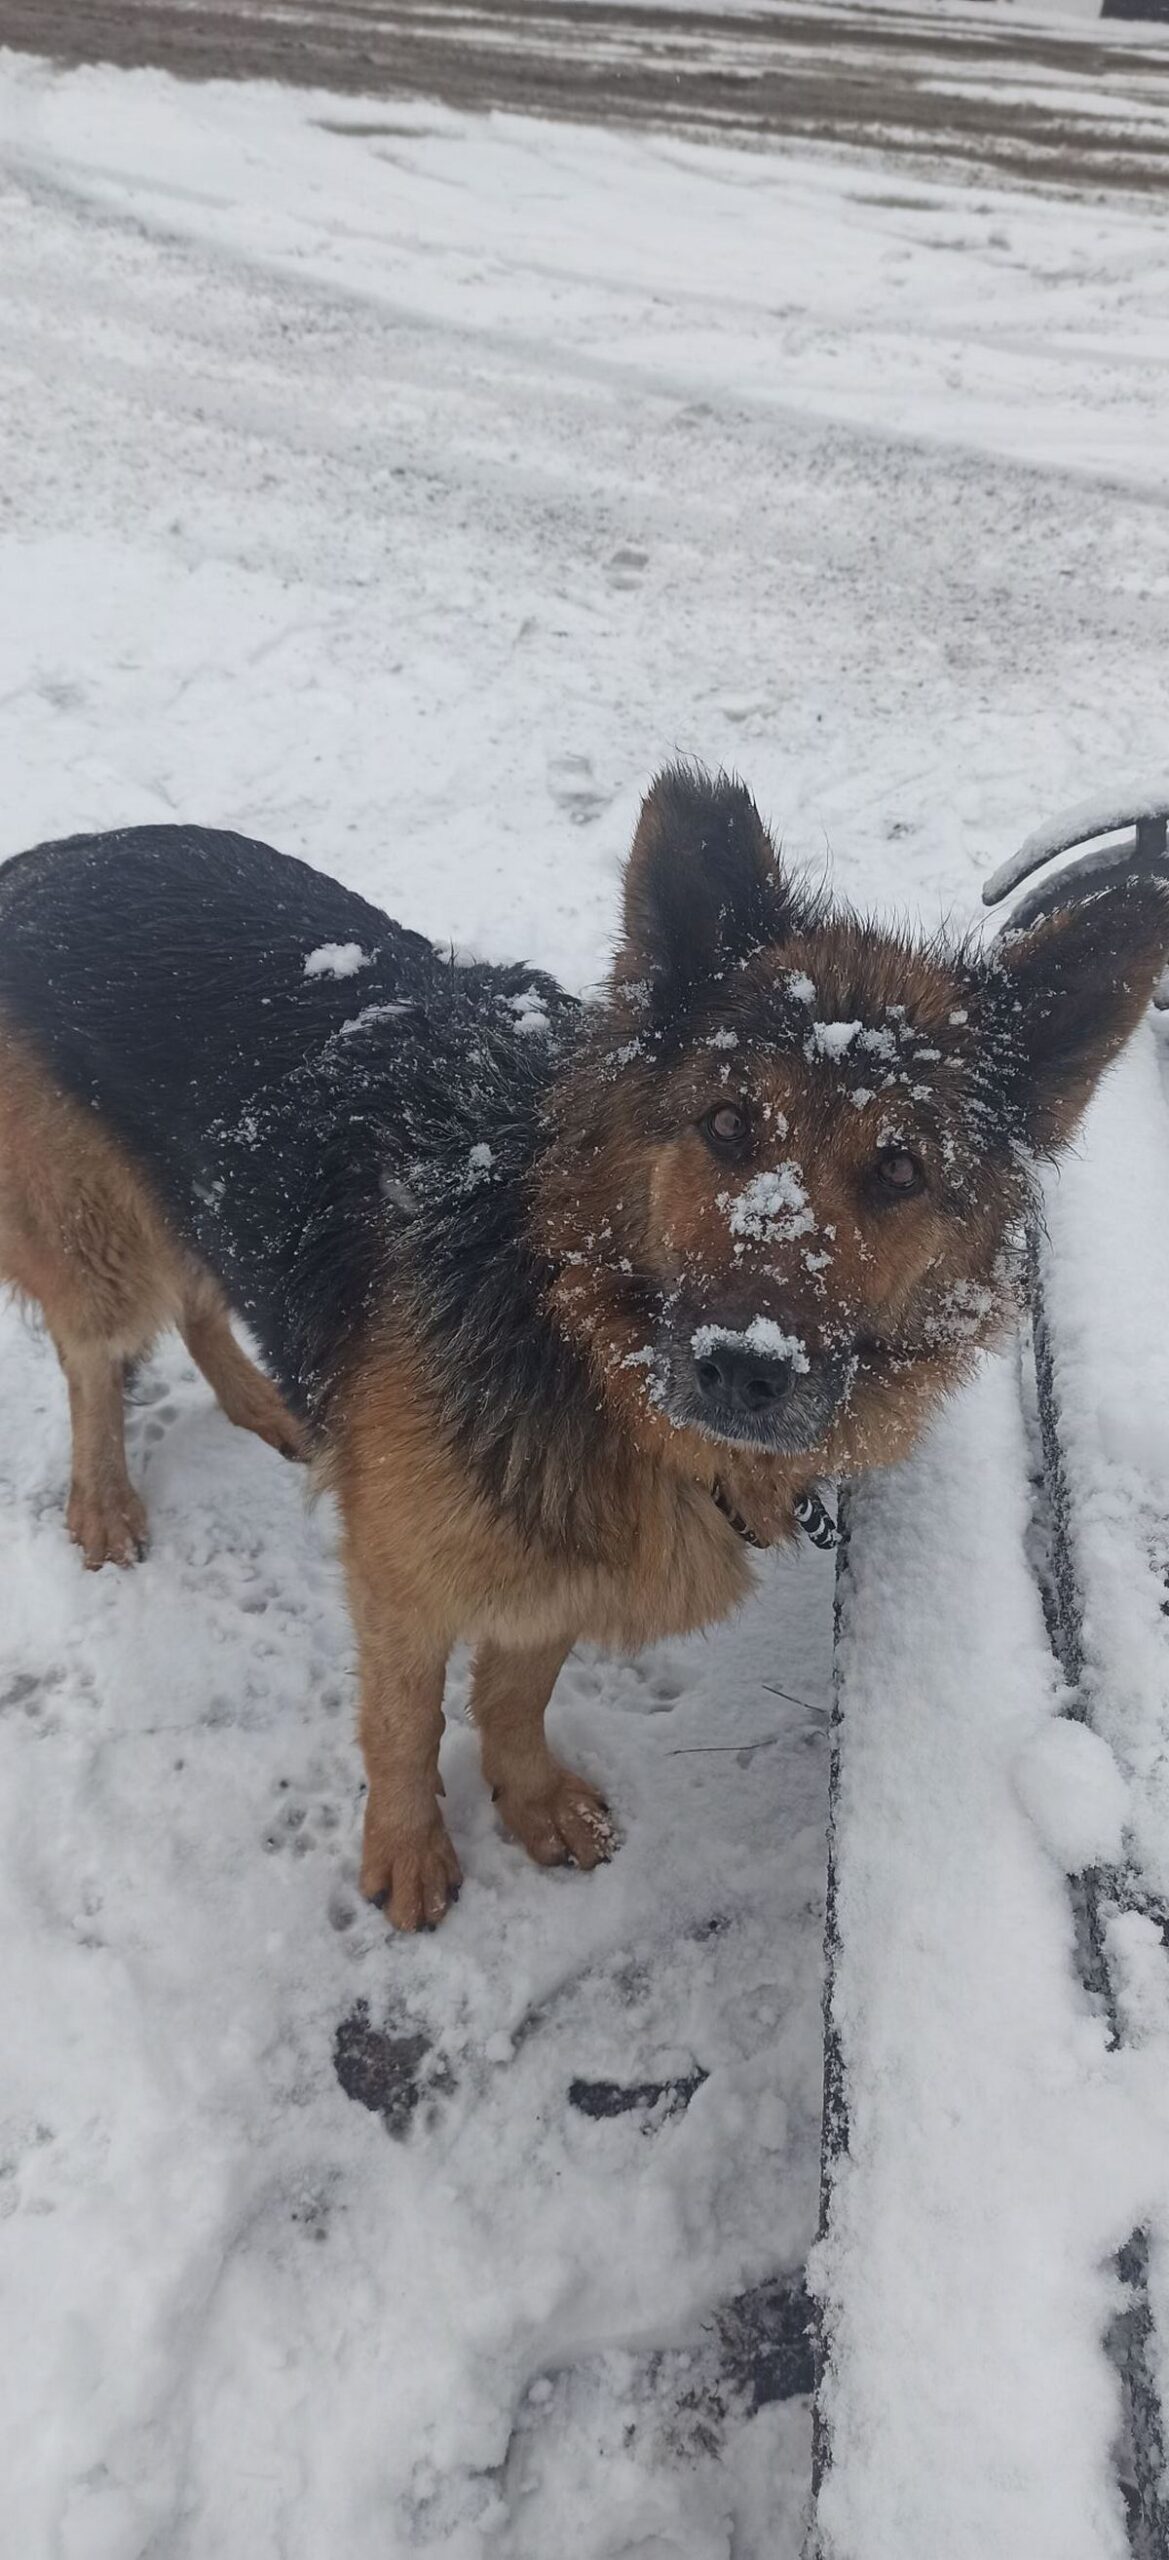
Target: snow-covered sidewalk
(404,494)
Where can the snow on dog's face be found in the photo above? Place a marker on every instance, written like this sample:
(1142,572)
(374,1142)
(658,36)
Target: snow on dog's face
(806,1143)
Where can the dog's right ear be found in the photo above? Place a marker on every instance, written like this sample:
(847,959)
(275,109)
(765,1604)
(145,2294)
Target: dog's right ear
(1065,994)
(703,887)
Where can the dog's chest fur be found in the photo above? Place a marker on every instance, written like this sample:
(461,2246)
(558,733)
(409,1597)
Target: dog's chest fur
(644,1551)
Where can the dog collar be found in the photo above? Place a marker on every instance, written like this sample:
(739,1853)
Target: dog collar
(814,1519)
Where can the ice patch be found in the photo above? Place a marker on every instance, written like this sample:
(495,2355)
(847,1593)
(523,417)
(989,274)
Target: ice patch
(336,960)
(479,1164)
(762,1334)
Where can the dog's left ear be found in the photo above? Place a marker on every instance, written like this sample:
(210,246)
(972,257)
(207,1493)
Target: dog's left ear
(703,886)
(1065,995)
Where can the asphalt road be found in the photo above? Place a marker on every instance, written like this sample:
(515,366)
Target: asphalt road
(1058,107)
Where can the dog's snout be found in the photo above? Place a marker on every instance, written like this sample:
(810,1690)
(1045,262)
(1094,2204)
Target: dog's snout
(756,1385)
(743,1377)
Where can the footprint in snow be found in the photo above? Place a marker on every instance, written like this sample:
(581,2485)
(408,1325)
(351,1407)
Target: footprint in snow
(641,1687)
(575,789)
(652,2102)
(626,566)
(301,1822)
(30,1694)
(150,1409)
(393,2069)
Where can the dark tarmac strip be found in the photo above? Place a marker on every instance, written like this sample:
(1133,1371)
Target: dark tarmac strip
(929,89)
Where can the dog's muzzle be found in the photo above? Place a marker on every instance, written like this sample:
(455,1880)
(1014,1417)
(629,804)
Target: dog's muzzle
(756,1389)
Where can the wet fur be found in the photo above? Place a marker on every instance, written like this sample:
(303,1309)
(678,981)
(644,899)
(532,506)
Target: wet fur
(471,1226)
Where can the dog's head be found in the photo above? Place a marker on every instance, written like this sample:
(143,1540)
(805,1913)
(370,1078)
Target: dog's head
(799,1154)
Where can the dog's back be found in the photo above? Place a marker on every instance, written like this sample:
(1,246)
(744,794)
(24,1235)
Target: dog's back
(254,1035)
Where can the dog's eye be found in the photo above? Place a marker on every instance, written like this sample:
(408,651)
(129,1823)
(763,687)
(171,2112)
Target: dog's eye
(726,1129)
(898,1174)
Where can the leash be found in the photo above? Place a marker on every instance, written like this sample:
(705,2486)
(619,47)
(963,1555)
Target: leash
(814,1518)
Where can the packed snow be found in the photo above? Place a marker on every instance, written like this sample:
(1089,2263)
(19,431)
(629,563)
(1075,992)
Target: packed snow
(404,488)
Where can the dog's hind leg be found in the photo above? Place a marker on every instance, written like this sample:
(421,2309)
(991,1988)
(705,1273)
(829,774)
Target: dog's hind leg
(81,1239)
(557,1816)
(248,1398)
(104,1516)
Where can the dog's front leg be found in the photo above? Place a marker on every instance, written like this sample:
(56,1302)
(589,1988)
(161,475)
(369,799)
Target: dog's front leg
(407,1859)
(556,1815)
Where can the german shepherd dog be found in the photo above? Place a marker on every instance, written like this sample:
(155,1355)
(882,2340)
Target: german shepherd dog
(564,1301)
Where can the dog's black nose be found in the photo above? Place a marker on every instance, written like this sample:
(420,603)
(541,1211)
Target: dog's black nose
(741,1376)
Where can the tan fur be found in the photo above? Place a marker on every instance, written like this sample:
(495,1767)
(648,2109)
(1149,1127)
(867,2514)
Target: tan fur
(430,1562)
(659,1202)
(81,1237)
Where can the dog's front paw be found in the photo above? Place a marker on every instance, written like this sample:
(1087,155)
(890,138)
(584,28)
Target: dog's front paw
(109,1526)
(566,1823)
(416,1880)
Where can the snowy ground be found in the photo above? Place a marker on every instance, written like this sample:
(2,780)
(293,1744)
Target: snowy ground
(405,493)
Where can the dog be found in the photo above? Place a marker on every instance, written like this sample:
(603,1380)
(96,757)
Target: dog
(570,1304)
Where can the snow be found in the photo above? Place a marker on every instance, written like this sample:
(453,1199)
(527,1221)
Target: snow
(531,1014)
(998,2153)
(773,1207)
(406,496)
(336,960)
(834,1039)
(762,1334)
(1070,1784)
(370,1013)
(1107,1217)
(1122,805)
